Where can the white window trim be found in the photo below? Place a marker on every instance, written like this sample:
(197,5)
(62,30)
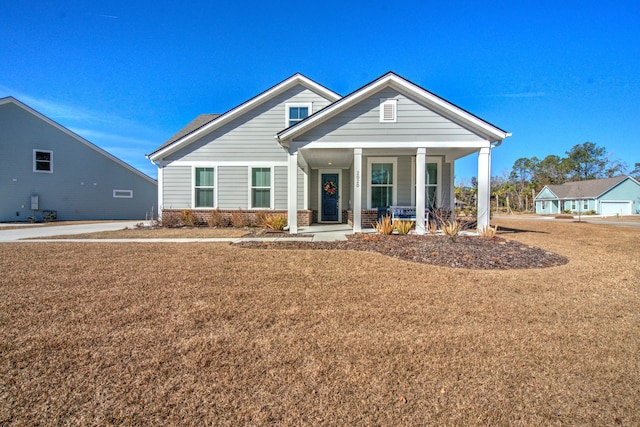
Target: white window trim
(36,150)
(271,189)
(215,186)
(394,191)
(129,194)
(394,106)
(428,159)
(339,172)
(289,105)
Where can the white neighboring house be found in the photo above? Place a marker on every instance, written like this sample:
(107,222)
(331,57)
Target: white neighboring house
(47,168)
(303,150)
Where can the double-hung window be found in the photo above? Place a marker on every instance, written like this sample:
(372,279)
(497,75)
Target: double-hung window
(204,188)
(43,161)
(382,179)
(585,204)
(296,112)
(260,188)
(431,185)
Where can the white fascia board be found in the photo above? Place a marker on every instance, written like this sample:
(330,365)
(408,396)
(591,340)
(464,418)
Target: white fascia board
(372,144)
(545,198)
(77,137)
(397,83)
(243,108)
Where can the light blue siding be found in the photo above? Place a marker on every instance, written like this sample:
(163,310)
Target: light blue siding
(546,194)
(626,190)
(83,179)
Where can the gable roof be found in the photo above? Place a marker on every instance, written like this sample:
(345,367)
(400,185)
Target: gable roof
(589,189)
(297,79)
(12,100)
(432,101)
(194,124)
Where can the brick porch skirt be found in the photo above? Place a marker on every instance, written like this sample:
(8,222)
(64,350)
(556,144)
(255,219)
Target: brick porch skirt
(305,217)
(368,218)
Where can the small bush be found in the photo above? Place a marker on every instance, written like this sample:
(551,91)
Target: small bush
(216,219)
(240,219)
(276,222)
(563,216)
(188,218)
(432,227)
(170,219)
(384,227)
(488,232)
(403,226)
(452,229)
(590,212)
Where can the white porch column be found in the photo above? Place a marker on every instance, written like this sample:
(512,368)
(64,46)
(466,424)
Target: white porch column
(160,191)
(292,196)
(357,190)
(484,187)
(421,159)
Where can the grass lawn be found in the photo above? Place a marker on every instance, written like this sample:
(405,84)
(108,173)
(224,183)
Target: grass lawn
(212,334)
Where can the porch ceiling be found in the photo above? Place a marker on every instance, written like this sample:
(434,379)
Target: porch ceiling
(341,158)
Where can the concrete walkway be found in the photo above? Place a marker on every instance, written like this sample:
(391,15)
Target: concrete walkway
(40,233)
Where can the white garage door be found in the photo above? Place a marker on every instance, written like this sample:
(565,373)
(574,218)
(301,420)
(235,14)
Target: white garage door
(613,208)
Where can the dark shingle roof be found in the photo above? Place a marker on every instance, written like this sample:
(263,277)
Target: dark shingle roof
(585,189)
(193,125)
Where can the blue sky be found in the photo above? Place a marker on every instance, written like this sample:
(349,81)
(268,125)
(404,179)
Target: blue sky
(127,75)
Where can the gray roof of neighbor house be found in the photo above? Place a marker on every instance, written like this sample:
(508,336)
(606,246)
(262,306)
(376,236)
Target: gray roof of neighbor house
(585,189)
(193,125)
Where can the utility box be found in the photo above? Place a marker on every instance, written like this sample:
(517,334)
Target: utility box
(34,202)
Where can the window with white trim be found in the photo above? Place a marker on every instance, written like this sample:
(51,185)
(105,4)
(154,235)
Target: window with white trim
(382,182)
(432,182)
(573,205)
(585,204)
(388,110)
(204,188)
(123,194)
(260,188)
(296,112)
(43,161)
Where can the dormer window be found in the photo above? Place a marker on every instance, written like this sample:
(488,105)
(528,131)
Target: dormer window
(388,110)
(296,112)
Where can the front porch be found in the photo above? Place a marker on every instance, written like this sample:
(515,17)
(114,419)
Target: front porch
(348,185)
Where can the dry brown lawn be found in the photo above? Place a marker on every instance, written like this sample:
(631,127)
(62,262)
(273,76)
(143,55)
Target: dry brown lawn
(212,334)
(161,233)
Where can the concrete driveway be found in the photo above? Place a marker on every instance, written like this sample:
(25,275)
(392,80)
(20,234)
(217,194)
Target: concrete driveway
(48,230)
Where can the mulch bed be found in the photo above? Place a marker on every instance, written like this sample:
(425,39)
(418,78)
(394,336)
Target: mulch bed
(466,252)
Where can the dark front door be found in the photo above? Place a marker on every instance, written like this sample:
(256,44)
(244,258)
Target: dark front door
(330,194)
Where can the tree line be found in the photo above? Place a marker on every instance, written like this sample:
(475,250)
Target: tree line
(516,189)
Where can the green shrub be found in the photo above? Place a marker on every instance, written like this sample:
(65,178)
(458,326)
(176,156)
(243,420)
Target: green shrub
(403,226)
(590,212)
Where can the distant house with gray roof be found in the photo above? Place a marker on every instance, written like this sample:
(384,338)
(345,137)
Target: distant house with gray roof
(609,196)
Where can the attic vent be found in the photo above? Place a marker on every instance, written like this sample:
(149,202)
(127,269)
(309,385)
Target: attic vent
(388,110)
